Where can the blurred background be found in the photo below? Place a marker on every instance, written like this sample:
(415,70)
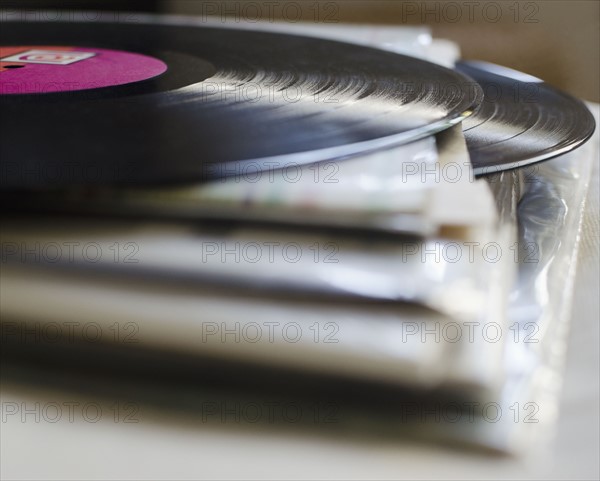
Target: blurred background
(556,40)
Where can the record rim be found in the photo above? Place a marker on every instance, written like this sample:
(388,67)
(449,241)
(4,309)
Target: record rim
(549,152)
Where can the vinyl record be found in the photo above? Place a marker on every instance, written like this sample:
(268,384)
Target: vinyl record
(521,121)
(113,104)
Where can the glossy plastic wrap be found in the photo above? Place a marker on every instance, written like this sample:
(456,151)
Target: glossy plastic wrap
(547,202)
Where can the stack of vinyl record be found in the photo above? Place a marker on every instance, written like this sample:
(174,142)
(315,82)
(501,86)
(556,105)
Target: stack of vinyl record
(309,217)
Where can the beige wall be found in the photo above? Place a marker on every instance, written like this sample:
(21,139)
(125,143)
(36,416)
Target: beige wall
(557,40)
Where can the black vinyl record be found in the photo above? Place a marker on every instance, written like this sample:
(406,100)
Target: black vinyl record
(227,102)
(521,121)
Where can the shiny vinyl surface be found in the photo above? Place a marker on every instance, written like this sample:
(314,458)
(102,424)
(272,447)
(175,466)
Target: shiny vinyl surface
(521,121)
(230,102)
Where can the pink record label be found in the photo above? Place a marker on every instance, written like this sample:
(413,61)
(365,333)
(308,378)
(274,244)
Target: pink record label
(49,69)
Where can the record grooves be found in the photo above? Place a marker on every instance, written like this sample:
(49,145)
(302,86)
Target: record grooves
(521,121)
(230,101)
